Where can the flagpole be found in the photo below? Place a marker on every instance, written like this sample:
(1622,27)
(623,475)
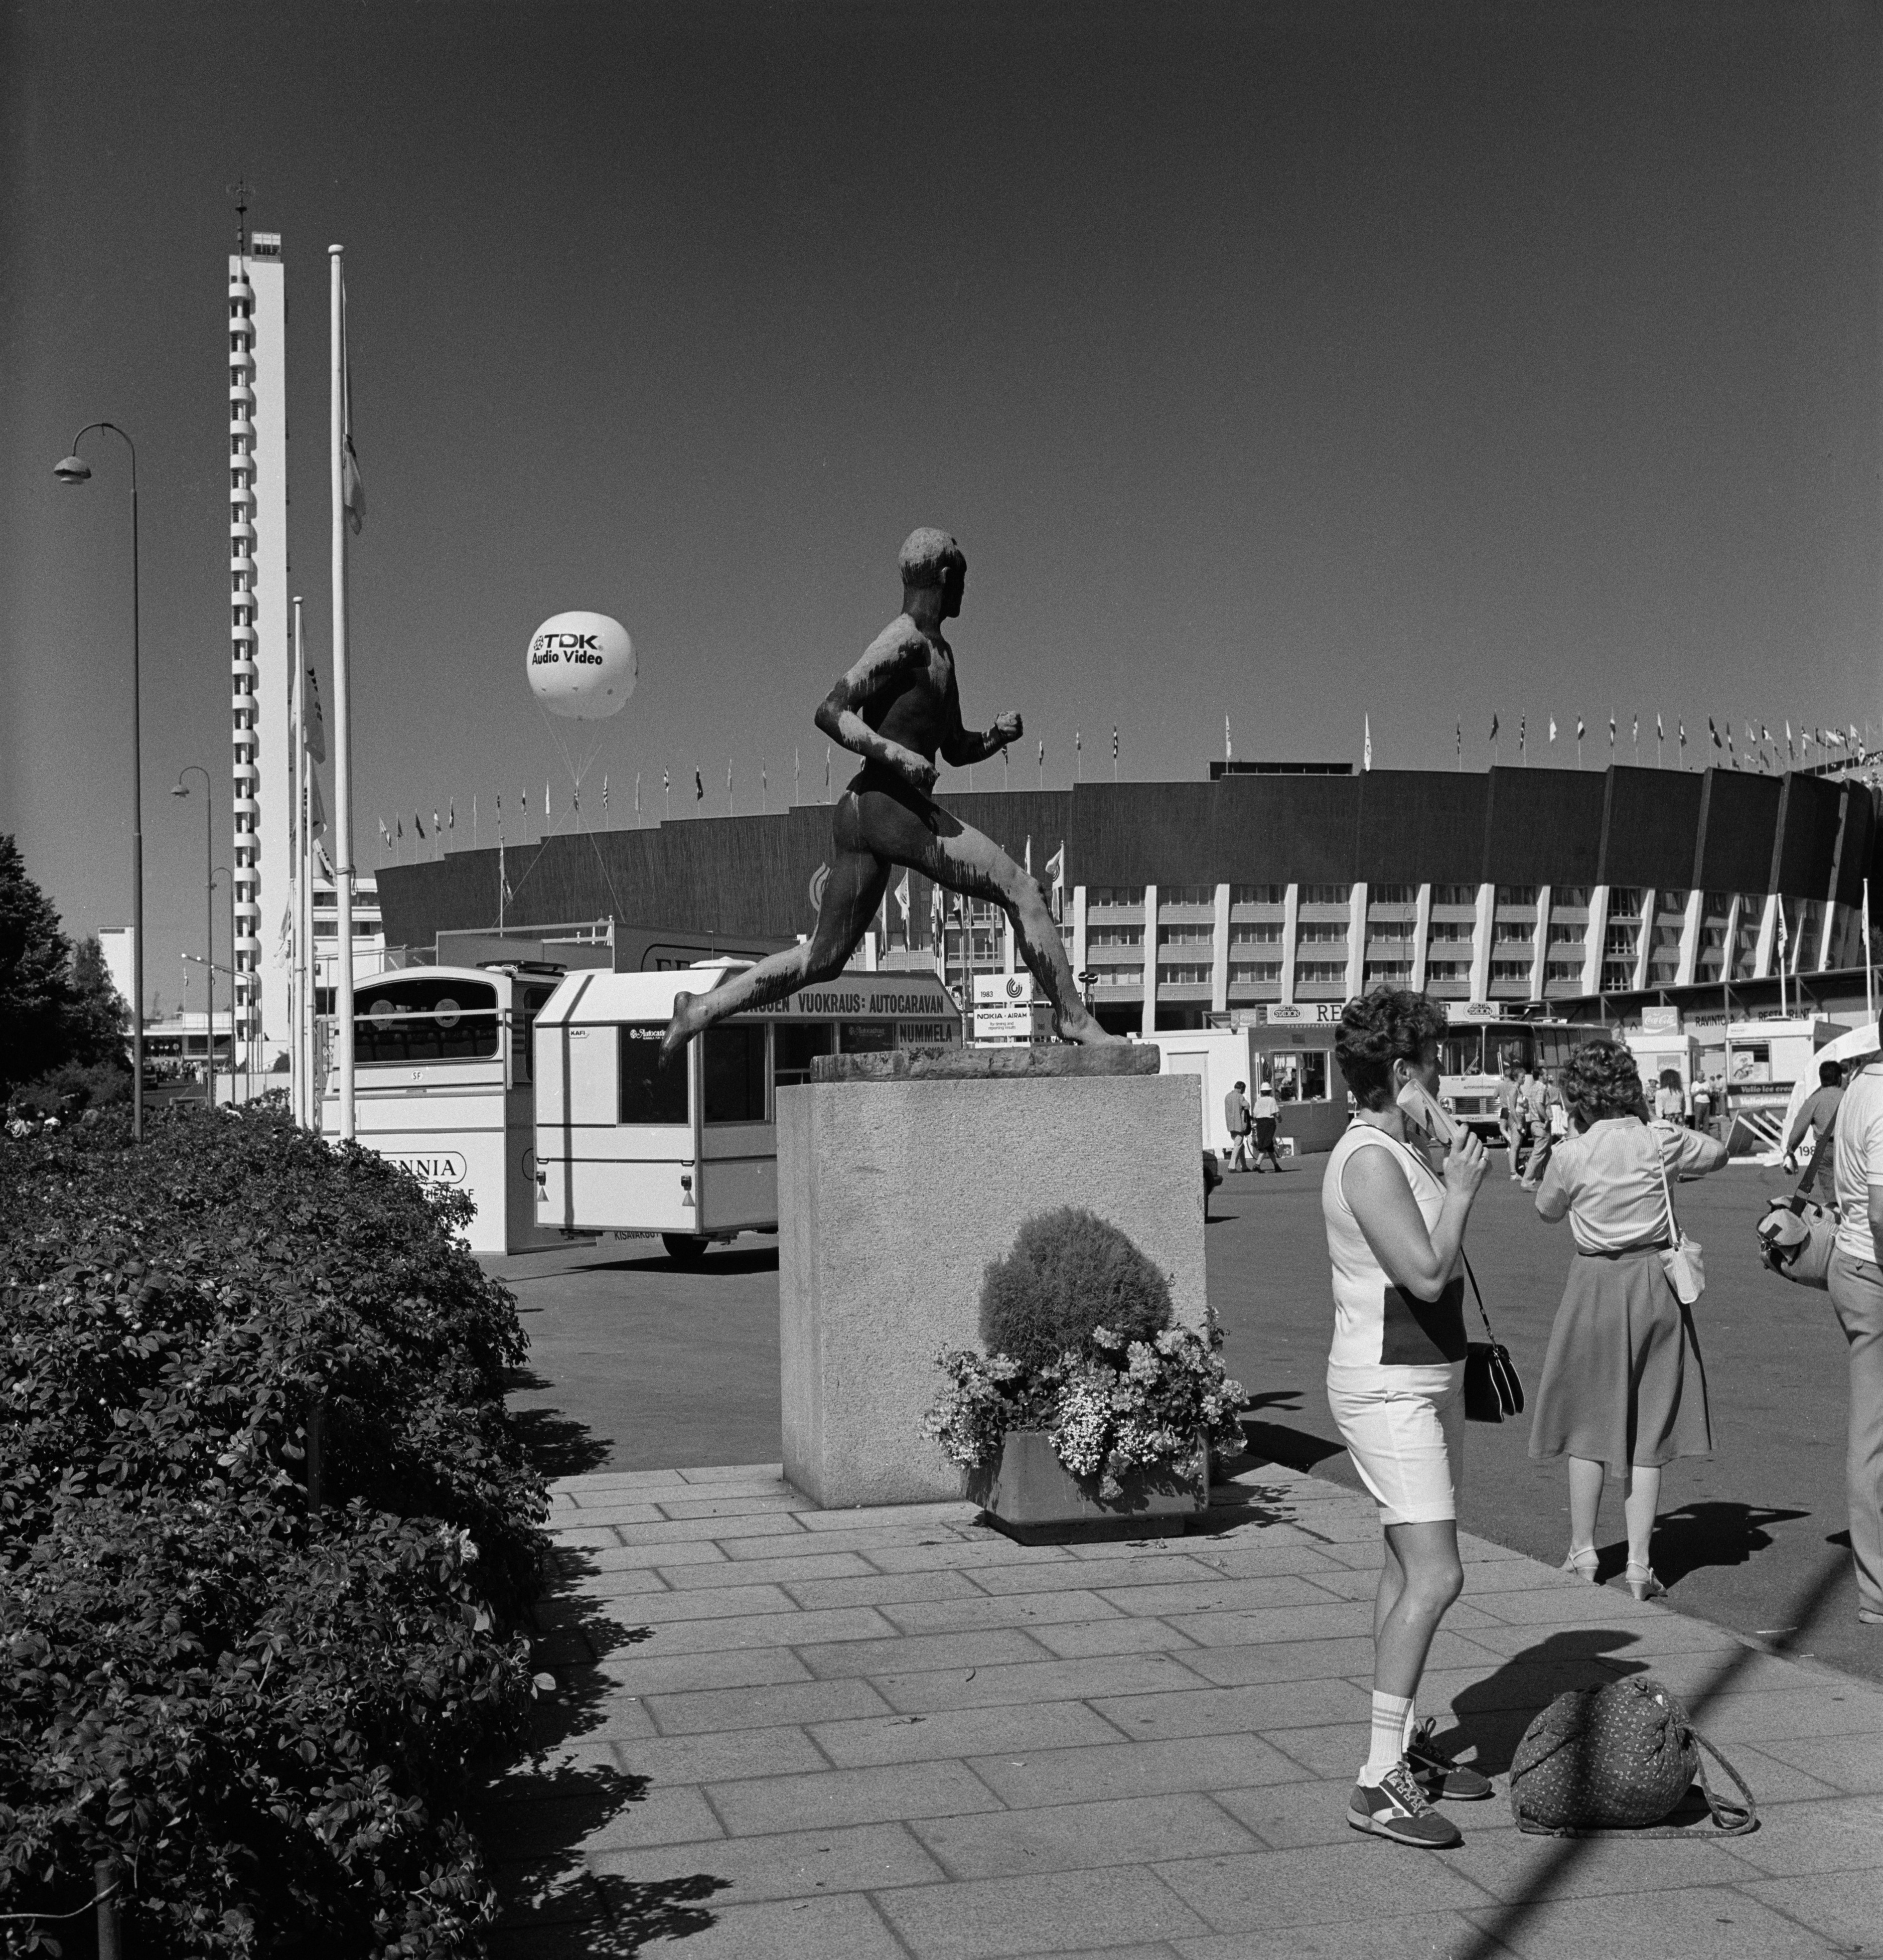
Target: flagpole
(342,699)
(303,1100)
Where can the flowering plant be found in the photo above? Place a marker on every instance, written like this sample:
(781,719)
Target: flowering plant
(1113,1404)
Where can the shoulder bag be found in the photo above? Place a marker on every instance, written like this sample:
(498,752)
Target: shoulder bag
(1681,1260)
(1492,1387)
(1797,1233)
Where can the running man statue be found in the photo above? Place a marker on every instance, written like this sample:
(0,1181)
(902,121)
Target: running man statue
(897,708)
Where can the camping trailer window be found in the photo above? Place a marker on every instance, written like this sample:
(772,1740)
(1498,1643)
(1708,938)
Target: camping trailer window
(732,1065)
(794,1043)
(424,1020)
(649,1092)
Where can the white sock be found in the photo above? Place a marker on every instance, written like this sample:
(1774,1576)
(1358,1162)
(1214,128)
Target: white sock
(1392,1726)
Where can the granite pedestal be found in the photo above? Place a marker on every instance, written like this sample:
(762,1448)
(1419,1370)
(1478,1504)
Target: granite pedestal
(900,1177)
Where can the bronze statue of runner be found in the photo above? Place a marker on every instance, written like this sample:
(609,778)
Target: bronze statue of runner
(897,707)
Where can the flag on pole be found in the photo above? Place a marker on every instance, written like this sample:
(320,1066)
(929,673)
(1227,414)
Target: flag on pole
(1682,729)
(437,827)
(451,821)
(575,797)
(546,803)
(936,916)
(1552,728)
(1493,735)
(902,906)
(1713,731)
(1114,745)
(1228,747)
(1459,749)
(352,489)
(1523,738)
(699,788)
(400,822)
(604,795)
(1056,872)
(385,836)
(418,823)
(1366,743)
(1612,731)
(316,730)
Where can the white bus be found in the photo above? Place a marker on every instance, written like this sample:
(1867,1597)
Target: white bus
(1482,1042)
(690,1151)
(443,1085)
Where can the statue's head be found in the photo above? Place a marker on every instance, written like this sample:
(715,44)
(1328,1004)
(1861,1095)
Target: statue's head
(931,558)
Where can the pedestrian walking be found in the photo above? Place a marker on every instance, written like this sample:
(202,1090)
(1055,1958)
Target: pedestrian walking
(1624,1390)
(1268,1115)
(1533,1112)
(1670,1102)
(1395,1387)
(1509,1117)
(1819,1117)
(1235,1115)
(1856,1293)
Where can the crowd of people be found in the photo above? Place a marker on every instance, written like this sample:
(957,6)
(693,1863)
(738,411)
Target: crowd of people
(1623,1392)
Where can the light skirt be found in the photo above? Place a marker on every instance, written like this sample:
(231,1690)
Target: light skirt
(1403,1427)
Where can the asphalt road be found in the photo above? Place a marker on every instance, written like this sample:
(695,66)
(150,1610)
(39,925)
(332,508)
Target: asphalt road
(636,1365)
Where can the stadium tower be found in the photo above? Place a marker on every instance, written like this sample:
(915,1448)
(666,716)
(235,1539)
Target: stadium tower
(260,654)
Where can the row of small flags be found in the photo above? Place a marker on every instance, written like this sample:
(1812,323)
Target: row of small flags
(1759,738)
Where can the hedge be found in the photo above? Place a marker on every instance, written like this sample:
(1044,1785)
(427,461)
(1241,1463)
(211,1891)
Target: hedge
(272,1719)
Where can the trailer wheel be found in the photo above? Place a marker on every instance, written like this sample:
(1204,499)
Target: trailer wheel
(683,1248)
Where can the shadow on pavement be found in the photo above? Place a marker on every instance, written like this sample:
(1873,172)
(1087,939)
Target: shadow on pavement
(1495,1712)
(1277,1443)
(537,1821)
(1709,1532)
(556,1444)
(720,1259)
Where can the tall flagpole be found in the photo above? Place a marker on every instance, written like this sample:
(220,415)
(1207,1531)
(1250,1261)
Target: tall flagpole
(298,987)
(342,701)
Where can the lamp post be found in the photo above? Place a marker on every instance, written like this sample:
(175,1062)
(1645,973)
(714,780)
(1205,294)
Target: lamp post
(74,469)
(208,918)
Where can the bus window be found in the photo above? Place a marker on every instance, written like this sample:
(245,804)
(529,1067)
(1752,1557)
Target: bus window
(866,1037)
(424,1020)
(794,1043)
(733,1068)
(649,1092)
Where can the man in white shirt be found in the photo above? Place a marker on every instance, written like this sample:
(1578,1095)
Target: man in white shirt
(1235,1116)
(1856,1292)
(1267,1112)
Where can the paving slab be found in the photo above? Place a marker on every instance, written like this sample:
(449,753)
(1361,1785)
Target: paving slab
(778,1732)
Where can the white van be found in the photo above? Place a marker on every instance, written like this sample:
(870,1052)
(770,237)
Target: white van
(690,1150)
(442,1085)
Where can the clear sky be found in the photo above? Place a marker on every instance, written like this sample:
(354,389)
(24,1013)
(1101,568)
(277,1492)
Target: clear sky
(1295,362)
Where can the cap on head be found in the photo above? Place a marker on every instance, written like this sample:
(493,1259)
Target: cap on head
(926,555)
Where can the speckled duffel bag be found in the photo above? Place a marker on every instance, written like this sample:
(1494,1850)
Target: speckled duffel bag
(1619,1758)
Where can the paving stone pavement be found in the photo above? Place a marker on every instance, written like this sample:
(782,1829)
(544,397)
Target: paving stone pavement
(780,1731)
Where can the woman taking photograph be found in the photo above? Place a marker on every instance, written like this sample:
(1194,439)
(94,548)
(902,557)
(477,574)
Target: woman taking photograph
(1623,1392)
(1395,1375)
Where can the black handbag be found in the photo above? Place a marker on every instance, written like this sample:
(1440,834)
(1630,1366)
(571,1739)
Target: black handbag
(1493,1389)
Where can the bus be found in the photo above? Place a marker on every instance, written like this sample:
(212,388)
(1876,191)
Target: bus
(689,1151)
(1482,1042)
(444,1085)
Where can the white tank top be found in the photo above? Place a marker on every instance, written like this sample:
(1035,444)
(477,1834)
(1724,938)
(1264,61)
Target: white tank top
(1376,1323)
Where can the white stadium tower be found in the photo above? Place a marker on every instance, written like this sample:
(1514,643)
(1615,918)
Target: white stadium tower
(260,655)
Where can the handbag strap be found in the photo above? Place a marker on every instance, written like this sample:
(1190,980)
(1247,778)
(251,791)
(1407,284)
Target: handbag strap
(1729,1820)
(1667,1190)
(1476,1294)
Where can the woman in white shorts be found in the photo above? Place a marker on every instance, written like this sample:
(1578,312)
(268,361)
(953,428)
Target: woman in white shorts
(1395,1385)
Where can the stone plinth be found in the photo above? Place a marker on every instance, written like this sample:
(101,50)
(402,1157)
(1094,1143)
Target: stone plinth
(896,1190)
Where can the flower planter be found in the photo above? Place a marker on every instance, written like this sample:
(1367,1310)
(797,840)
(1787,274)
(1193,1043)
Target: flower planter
(1030,1495)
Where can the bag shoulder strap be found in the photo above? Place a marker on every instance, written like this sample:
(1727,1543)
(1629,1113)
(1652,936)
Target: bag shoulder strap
(1667,1190)
(1476,1294)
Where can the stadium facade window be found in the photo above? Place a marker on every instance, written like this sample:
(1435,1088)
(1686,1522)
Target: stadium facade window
(1186,976)
(1392,895)
(1255,973)
(1383,971)
(1673,903)
(1624,902)
(1567,935)
(1326,895)
(1321,971)
(1125,898)
(1455,895)
(1257,895)
(1618,976)
(1255,935)
(1383,929)
(1321,935)
(1564,970)
(1187,894)
(1510,969)
(1448,969)
(1184,935)
(1619,939)
(1449,931)
(1114,935)
(1516,894)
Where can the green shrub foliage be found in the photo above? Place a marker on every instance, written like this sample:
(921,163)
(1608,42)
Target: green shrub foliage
(1069,1271)
(272,1718)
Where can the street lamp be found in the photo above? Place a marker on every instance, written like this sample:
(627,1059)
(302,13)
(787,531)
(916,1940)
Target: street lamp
(208,918)
(74,469)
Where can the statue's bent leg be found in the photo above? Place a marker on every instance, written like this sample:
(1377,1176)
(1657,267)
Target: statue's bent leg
(906,828)
(852,891)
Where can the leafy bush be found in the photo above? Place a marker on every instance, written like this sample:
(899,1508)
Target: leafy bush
(1069,1271)
(270,1717)
(72,1088)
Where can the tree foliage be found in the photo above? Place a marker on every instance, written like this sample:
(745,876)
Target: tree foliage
(56,1006)
(1069,1271)
(272,1717)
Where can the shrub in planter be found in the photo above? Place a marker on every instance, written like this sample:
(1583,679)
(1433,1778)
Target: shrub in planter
(1111,1398)
(270,1717)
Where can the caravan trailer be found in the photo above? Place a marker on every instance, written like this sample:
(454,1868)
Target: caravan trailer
(689,1150)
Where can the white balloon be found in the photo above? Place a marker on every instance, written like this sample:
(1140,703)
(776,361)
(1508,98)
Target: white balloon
(581,665)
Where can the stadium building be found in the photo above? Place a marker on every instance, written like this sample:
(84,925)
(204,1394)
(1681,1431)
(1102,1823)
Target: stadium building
(1564,892)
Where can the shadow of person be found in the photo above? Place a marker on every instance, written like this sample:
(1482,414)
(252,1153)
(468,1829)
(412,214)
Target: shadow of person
(1265,1442)
(1713,1532)
(1493,1714)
